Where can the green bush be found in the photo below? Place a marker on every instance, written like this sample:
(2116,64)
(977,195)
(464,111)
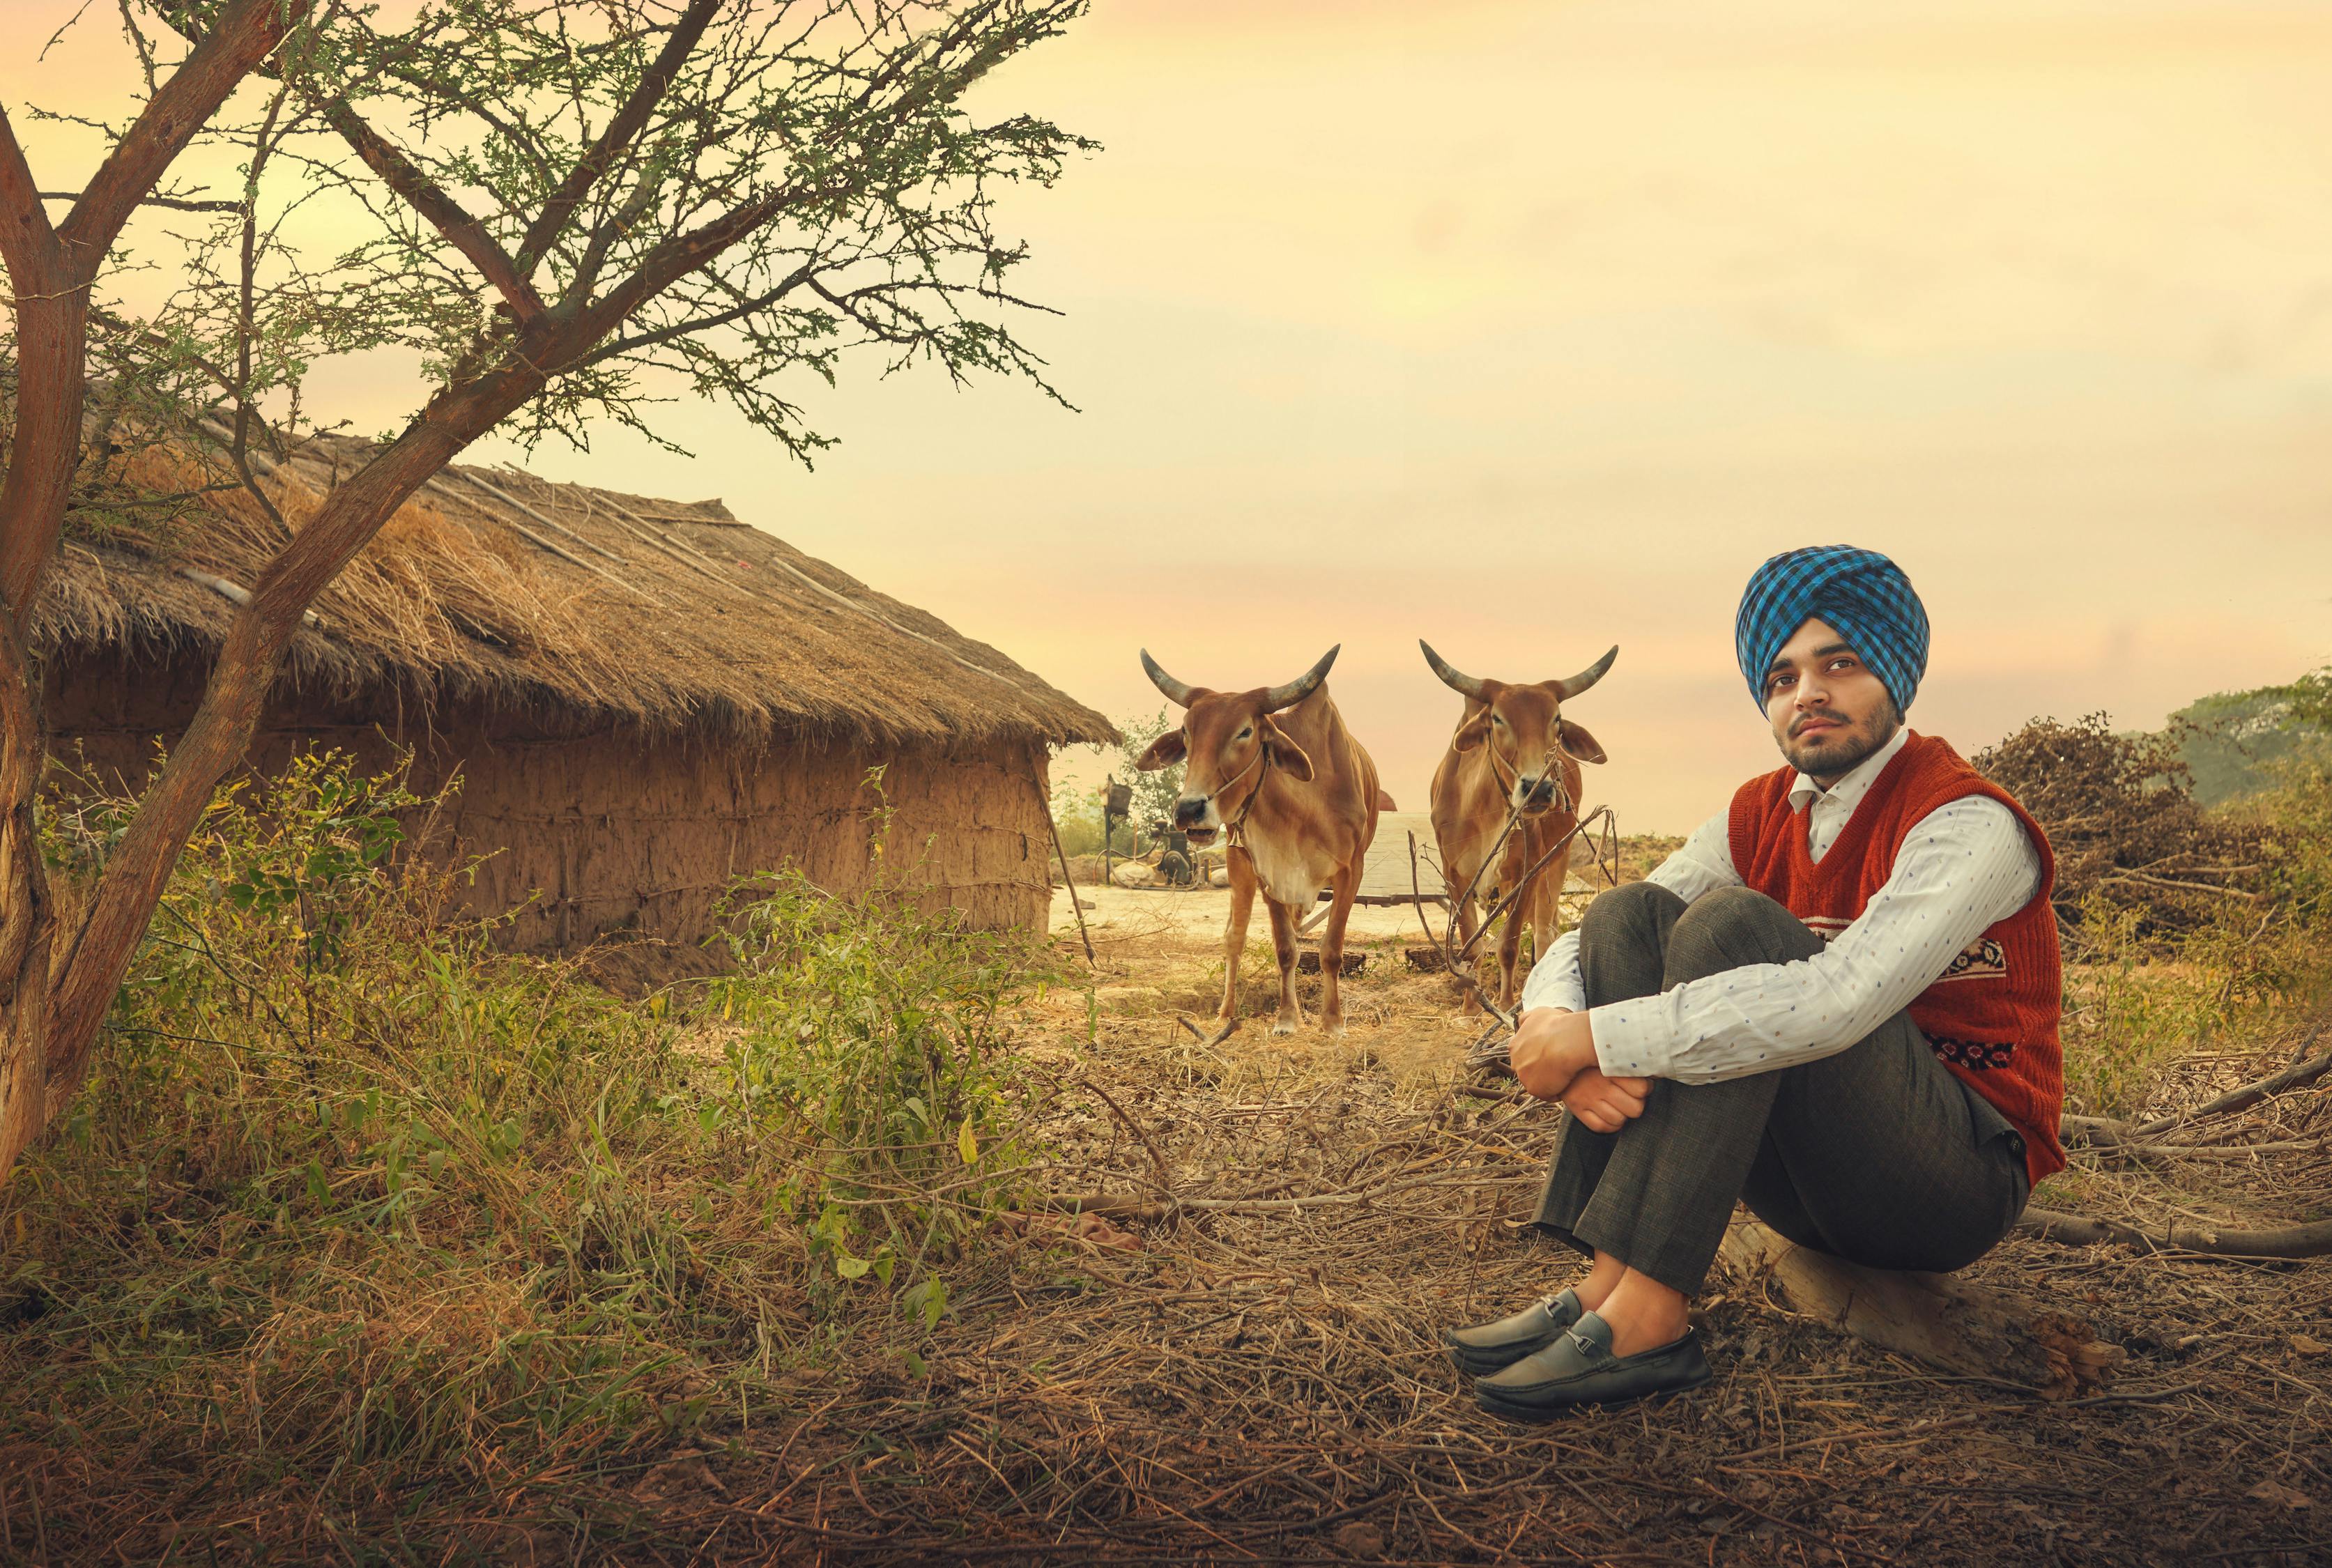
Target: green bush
(871,1044)
(351,1187)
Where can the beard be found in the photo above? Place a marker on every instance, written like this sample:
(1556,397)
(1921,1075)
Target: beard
(1840,752)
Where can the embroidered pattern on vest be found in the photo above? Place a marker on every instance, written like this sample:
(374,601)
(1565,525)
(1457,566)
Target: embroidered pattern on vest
(1976,1056)
(1983,959)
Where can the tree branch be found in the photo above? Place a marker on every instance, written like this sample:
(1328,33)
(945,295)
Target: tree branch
(176,204)
(50,271)
(28,241)
(627,124)
(442,211)
(247,33)
(616,347)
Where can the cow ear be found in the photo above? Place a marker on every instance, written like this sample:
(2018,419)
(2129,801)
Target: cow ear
(1473,731)
(1285,754)
(1580,743)
(1164,752)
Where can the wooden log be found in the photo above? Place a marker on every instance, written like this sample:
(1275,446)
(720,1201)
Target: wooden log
(2313,1239)
(1934,1319)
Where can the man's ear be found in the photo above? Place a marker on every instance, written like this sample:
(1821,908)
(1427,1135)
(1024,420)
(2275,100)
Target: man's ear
(1579,743)
(1473,731)
(1285,754)
(1164,752)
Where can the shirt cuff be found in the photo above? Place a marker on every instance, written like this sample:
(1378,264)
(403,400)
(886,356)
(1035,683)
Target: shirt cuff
(1633,1039)
(1554,991)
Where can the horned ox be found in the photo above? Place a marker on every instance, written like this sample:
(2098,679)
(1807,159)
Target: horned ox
(1513,750)
(1276,772)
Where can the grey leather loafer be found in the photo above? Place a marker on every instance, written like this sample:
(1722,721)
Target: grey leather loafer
(1578,1371)
(1487,1347)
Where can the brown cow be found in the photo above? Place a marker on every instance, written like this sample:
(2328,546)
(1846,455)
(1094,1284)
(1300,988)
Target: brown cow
(1275,771)
(1513,748)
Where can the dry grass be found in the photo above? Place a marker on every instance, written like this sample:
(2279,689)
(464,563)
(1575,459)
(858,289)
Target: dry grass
(1262,1384)
(556,601)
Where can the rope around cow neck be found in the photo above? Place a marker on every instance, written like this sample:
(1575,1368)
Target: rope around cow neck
(1235,830)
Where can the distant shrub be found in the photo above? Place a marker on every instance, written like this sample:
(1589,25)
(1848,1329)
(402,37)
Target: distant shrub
(2124,825)
(2158,971)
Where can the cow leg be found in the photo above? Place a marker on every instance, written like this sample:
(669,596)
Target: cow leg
(1510,944)
(1463,918)
(1242,871)
(1332,951)
(1283,941)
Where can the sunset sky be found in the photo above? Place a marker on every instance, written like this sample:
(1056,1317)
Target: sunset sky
(1533,328)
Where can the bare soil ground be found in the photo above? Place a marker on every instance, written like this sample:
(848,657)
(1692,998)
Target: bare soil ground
(1258,1380)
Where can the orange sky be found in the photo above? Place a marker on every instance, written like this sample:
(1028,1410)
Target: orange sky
(1532,328)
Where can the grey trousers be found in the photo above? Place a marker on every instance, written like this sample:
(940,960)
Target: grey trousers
(1877,1154)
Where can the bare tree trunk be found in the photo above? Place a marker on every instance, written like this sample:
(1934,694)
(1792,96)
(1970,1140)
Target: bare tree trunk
(50,272)
(27,918)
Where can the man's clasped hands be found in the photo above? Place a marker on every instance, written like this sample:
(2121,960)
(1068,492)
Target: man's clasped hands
(1553,1058)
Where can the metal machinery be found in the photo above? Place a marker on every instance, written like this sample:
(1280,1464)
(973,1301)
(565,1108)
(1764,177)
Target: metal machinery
(1116,805)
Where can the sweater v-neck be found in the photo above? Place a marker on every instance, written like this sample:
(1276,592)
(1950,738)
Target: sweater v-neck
(1847,848)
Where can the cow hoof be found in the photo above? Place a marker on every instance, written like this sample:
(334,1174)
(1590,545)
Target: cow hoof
(1284,1025)
(1333,1029)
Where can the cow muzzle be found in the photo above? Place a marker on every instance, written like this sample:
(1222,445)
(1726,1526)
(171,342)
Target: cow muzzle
(1195,816)
(1534,797)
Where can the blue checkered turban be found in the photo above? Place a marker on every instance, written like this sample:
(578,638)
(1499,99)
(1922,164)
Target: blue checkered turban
(1861,592)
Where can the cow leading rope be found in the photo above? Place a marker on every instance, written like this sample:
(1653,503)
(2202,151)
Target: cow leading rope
(1509,904)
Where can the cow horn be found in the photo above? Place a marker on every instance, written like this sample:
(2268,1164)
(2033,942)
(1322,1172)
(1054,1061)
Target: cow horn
(1176,691)
(1566,690)
(1452,676)
(1303,685)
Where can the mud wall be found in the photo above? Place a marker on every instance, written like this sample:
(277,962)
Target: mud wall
(592,831)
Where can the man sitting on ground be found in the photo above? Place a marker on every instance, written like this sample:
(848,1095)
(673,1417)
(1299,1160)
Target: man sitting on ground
(1838,1003)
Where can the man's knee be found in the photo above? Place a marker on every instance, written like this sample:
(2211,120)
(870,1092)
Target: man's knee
(1730,927)
(1634,911)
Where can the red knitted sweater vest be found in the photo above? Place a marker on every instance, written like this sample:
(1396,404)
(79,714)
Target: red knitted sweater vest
(1992,1017)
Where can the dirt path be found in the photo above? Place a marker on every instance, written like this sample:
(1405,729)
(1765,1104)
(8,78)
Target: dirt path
(1202,913)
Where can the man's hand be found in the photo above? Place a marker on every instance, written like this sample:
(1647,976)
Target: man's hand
(1605,1105)
(1553,1058)
(1552,1047)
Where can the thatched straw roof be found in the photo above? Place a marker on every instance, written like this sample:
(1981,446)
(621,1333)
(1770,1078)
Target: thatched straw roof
(559,602)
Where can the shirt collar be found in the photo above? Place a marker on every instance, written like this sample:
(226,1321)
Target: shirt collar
(1850,790)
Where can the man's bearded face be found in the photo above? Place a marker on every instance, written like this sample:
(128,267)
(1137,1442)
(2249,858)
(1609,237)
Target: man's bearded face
(1829,711)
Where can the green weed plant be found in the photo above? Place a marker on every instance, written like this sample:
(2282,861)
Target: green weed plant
(872,1045)
(361,1208)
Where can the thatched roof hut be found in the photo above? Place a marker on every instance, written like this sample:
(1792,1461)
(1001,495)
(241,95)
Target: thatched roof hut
(644,699)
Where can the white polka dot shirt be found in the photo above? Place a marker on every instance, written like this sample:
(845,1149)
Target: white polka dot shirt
(1963,868)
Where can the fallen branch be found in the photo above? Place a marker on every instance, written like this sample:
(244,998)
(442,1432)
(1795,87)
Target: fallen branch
(2211,1151)
(1131,1206)
(1140,1134)
(2244,1098)
(2111,1132)
(1933,1318)
(2312,1240)
(1863,1435)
